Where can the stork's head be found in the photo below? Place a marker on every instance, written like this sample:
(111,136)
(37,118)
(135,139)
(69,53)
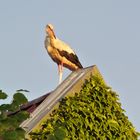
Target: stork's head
(50,31)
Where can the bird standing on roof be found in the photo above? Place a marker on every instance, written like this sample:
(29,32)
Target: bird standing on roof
(60,52)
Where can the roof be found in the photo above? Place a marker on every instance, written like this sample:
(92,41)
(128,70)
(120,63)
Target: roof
(31,105)
(43,105)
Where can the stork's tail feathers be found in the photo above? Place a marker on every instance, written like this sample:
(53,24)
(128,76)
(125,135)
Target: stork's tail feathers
(79,65)
(77,62)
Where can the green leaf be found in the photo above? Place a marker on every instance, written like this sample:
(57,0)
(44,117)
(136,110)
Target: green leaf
(9,123)
(60,133)
(21,116)
(10,135)
(5,107)
(3,115)
(3,95)
(23,90)
(20,133)
(51,137)
(19,98)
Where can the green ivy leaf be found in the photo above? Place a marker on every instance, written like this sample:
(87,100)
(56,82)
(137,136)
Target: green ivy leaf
(21,116)
(60,133)
(19,98)
(20,133)
(10,135)
(3,95)
(5,107)
(23,90)
(51,137)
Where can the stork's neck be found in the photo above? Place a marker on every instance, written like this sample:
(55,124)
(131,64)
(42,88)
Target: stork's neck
(53,37)
(49,40)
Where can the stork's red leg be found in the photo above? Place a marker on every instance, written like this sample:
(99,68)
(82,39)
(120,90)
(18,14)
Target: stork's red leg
(62,67)
(59,68)
(60,72)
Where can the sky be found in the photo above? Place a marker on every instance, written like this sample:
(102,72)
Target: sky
(102,33)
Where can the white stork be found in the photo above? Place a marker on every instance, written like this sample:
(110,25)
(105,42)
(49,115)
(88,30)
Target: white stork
(60,52)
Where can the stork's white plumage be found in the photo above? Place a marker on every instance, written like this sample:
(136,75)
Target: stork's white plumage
(60,52)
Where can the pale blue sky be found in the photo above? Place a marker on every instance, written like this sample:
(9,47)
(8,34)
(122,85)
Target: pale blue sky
(105,33)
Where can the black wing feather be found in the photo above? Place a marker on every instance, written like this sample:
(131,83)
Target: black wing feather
(71,57)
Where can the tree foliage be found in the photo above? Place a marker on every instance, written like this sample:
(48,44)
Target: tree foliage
(94,113)
(10,124)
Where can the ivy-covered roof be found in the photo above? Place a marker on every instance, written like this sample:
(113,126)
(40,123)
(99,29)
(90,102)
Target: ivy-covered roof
(94,113)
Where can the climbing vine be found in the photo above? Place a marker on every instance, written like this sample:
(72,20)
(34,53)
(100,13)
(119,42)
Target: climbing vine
(10,124)
(94,113)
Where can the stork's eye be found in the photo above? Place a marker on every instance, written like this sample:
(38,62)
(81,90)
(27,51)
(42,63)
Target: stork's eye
(49,27)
